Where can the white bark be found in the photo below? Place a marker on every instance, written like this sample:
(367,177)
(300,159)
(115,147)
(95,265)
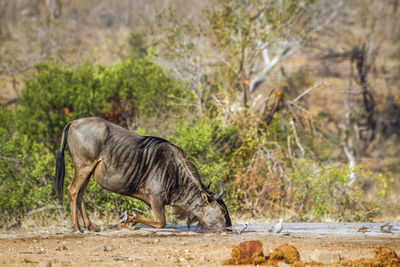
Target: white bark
(352,164)
(290,46)
(284,50)
(296,138)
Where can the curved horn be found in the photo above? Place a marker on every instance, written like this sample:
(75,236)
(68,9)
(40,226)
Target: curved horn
(208,186)
(218,196)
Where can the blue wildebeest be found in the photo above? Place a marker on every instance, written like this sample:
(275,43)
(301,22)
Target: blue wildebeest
(148,168)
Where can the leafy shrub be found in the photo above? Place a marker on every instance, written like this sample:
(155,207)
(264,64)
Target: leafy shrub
(136,88)
(261,186)
(309,191)
(328,192)
(137,43)
(26,170)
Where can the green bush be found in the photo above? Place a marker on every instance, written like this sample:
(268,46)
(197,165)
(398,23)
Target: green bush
(324,192)
(136,88)
(137,43)
(26,170)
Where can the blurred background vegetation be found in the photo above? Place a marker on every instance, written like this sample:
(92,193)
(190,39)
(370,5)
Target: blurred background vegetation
(293,105)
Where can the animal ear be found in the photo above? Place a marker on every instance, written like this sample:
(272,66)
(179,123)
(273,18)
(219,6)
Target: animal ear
(206,197)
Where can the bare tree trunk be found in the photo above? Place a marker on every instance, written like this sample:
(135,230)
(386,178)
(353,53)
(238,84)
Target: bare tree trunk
(260,77)
(360,57)
(348,133)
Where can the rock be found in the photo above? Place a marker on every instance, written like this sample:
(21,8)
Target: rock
(45,264)
(325,257)
(248,252)
(251,252)
(286,253)
(384,256)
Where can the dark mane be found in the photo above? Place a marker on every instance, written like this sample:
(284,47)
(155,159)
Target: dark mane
(192,167)
(195,171)
(150,141)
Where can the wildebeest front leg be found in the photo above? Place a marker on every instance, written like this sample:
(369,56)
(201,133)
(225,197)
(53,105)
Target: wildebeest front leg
(158,211)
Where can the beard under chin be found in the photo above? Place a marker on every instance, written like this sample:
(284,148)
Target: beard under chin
(191,220)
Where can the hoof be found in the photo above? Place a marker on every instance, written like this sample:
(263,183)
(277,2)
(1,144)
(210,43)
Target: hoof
(91,228)
(78,232)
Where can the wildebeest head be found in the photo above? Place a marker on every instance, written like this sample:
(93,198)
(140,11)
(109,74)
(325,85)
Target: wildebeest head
(213,213)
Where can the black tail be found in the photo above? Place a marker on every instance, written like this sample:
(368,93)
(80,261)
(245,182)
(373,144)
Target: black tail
(60,166)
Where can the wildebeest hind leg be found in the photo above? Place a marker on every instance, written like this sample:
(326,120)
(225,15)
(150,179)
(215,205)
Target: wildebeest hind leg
(82,174)
(81,206)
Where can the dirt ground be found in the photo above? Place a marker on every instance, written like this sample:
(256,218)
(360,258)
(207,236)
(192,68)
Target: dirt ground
(170,247)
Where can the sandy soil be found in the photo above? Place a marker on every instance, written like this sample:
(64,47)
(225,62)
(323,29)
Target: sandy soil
(170,247)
